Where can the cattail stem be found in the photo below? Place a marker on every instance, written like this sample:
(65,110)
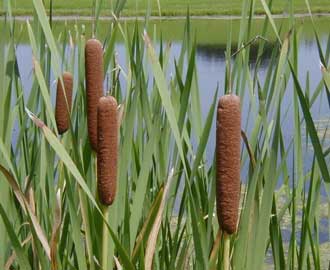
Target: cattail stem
(226,252)
(85,219)
(105,239)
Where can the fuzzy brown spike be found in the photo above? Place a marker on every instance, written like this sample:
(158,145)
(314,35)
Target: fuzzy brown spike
(107,152)
(94,85)
(228,145)
(62,114)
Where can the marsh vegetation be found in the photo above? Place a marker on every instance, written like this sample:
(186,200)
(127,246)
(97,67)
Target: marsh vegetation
(164,212)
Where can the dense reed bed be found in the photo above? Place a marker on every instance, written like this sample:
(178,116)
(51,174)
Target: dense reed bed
(142,193)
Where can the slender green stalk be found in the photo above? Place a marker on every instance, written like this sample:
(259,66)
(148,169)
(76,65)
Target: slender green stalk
(86,222)
(105,239)
(164,126)
(226,252)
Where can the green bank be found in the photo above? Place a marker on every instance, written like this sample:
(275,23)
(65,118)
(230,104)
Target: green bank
(172,30)
(169,7)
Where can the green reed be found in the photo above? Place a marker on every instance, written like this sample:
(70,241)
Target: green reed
(163,216)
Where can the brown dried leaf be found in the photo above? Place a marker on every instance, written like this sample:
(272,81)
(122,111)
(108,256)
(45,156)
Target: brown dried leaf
(152,240)
(56,230)
(27,208)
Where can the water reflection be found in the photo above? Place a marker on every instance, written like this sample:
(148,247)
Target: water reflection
(216,52)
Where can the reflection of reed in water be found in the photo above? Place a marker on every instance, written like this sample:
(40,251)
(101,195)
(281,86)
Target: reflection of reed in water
(286,229)
(217,51)
(323,131)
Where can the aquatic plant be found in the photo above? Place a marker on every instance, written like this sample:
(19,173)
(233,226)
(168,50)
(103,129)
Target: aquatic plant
(164,213)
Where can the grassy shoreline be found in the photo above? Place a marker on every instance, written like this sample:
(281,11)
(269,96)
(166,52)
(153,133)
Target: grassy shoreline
(173,27)
(166,13)
(67,14)
(168,8)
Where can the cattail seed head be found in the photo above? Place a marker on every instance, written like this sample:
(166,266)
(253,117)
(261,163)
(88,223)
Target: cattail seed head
(228,145)
(94,85)
(107,149)
(63,106)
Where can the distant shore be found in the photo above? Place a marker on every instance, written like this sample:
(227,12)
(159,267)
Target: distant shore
(74,17)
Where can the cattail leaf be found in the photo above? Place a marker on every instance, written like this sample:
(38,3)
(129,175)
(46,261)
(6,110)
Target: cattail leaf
(40,78)
(110,45)
(88,228)
(311,128)
(56,230)
(326,79)
(120,4)
(199,234)
(120,114)
(151,244)
(64,156)
(97,9)
(187,87)
(145,231)
(142,181)
(118,265)
(273,170)
(205,136)
(44,23)
(215,251)
(11,179)
(248,219)
(6,156)
(10,261)
(270,18)
(121,251)
(75,224)
(166,100)
(183,257)
(26,207)
(44,92)
(20,253)
(124,161)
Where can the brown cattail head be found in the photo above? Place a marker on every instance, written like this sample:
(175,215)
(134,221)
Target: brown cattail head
(107,149)
(228,147)
(63,107)
(94,85)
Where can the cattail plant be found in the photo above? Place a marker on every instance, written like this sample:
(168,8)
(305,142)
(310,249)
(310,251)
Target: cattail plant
(228,147)
(107,156)
(63,102)
(94,85)
(107,150)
